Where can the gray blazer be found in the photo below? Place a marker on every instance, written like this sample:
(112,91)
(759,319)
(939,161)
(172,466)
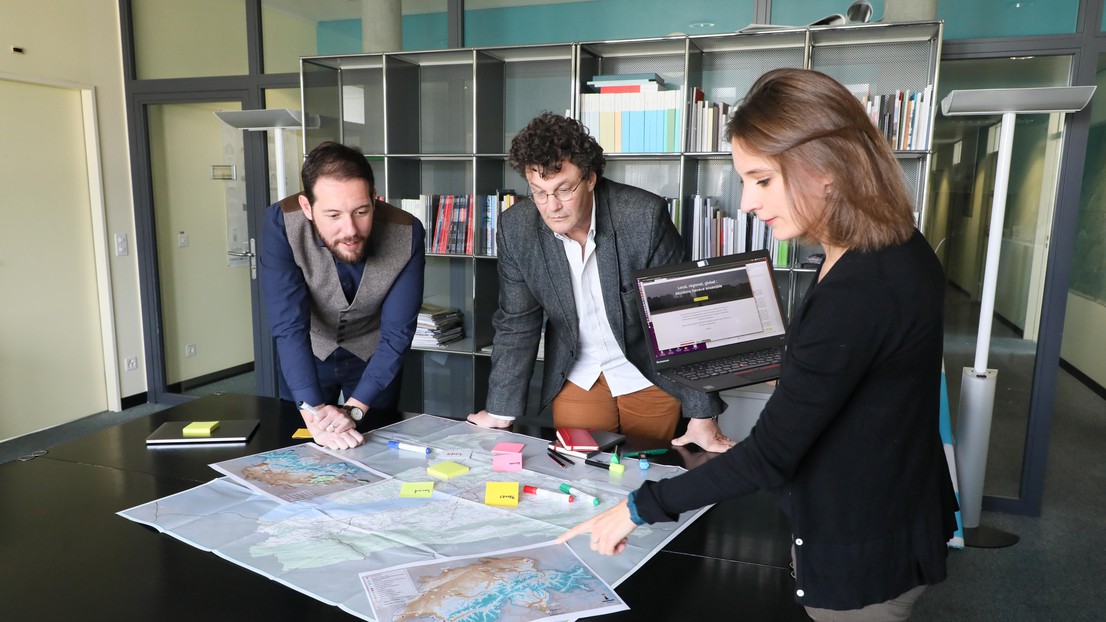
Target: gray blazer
(632,231)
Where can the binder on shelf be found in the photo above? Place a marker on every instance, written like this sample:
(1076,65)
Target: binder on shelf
(615,79)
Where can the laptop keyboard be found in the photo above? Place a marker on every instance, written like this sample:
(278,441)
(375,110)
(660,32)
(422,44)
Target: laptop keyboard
(731,364)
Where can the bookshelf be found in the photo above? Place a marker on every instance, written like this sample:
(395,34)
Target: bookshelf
(440,122)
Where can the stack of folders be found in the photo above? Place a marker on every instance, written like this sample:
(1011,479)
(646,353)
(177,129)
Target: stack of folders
(438,326)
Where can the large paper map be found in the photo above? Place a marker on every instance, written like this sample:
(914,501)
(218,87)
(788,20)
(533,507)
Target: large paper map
(545,582)
(322,544)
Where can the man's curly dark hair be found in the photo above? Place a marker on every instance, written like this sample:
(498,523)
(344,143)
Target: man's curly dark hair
(550,139)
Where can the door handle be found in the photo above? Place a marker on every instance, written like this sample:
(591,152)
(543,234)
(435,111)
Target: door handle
(252,254)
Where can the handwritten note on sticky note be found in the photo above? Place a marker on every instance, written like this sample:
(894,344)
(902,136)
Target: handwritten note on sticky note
(446,470)
(302,433)
(501,493)
(455,454)
(507,462)
(417,490)
(508,448)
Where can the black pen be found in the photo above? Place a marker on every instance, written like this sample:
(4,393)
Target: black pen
(597,463)
(555,451)
(558,459)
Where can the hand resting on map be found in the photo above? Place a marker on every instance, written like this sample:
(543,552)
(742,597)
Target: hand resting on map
(608,530)
(332,428)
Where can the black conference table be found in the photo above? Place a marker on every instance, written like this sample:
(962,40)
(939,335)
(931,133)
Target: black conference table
(65,554)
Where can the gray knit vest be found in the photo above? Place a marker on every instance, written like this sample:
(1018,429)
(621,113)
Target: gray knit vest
(334,321)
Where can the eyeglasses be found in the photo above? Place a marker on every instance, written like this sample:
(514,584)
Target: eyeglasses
(562,194)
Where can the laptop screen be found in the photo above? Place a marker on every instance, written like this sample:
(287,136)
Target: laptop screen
(726,303)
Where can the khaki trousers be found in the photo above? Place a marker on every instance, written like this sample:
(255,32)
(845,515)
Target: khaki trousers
(649,413)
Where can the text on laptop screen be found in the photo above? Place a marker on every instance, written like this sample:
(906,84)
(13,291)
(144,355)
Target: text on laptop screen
(708,310)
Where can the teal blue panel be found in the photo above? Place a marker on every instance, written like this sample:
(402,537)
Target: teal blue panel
(339,36)
(426,31)
(423,31)
(608,19)
(803,12)
(980,19)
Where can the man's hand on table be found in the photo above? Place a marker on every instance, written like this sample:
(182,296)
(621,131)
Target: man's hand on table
(338,440)
(485,420)
(332,427)
(706,434)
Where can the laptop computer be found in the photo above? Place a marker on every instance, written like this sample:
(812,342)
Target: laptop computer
(713,324)
(229,431)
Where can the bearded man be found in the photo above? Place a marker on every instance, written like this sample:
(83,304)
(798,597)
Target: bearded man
(341,276)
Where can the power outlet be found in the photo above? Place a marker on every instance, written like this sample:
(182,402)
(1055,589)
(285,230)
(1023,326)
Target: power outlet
(121,249)
(190,349)
(130,363)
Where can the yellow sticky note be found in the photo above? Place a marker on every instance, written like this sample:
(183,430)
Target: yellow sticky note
(446,470)
(501,493)
(417,490)
(200,428)
(302,433)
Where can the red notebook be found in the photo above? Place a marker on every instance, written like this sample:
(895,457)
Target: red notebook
(576,439)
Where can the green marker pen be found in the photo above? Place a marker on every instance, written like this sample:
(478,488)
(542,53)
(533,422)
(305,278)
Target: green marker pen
(569,490)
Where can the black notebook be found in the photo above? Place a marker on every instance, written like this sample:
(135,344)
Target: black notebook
(229,431)
(607,440)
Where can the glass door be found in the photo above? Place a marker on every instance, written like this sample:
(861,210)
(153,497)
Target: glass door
(962,188)
(202,298)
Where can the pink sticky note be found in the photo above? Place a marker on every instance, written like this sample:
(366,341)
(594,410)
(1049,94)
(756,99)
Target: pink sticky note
(507,462)
(509,448)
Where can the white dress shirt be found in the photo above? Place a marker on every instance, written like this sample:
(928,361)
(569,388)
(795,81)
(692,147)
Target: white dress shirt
(597,350)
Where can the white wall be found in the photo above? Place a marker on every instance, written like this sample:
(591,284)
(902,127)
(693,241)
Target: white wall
(78,41)
(1085,337)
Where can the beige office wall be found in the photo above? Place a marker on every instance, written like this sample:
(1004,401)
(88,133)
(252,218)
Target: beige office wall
(50,341)
(1084,343)
(78,41)
(204,301)
(189,39)
(287,37)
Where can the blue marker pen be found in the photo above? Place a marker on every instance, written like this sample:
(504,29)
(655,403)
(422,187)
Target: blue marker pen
(408,447)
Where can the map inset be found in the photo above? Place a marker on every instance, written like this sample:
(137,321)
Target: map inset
(547,582)
(316,521)
(298,473)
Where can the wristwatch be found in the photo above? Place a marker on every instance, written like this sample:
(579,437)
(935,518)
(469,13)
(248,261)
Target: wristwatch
(355,413)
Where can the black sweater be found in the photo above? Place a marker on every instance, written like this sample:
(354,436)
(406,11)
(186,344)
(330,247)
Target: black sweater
(850,438)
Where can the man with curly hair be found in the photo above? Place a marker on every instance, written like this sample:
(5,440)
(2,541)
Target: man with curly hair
(566,253)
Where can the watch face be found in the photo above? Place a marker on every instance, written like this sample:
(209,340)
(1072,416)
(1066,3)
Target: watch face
(355,412)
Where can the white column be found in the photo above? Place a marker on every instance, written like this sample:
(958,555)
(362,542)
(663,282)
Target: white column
(381,25)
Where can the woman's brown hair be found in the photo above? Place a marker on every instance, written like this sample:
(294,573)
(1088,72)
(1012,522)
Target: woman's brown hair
(812,127)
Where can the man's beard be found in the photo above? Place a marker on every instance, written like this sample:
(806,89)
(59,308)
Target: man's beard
(343,254)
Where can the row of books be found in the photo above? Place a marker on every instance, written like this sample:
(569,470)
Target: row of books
(437,326)
(466,224)
(707,124)
(710,232)
(903,117)
(632,113)
(461,224)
